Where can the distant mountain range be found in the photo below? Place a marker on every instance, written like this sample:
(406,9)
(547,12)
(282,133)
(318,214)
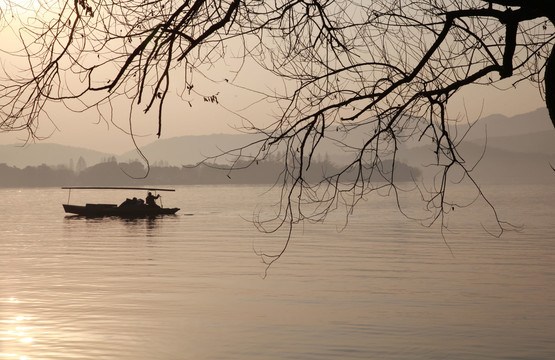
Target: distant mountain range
(501,126)
(187,150)
(36,154)
(517,147)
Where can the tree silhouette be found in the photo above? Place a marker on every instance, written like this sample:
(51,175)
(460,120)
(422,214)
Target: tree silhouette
(384,69)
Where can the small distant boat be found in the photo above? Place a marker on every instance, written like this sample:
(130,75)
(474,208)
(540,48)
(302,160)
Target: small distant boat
(130,208)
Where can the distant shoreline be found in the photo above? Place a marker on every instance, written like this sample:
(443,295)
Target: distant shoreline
(112,173)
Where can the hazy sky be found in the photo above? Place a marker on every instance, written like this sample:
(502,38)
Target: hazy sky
(87,130)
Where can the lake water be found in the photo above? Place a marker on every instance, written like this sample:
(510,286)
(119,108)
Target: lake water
(191,287)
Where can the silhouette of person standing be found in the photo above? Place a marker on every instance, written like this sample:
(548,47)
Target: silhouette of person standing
(150,199)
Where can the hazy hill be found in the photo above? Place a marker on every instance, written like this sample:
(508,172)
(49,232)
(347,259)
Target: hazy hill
(518,125)
(499,166)
(510,159)
(519,148)
(188,150)
(50,154)
(540,142)
(532,131)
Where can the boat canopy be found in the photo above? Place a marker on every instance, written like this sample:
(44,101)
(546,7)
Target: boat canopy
(113,188)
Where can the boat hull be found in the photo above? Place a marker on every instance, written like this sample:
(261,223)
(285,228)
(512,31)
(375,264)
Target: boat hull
(101,210)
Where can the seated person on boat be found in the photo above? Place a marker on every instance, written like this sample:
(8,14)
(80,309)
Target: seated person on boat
(132,202)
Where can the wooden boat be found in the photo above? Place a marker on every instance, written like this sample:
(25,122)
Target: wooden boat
(129,208)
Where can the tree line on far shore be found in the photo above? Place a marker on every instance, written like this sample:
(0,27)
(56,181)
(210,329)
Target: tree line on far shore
(113,173)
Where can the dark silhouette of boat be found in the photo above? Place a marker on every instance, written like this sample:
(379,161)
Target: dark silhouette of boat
(129,208)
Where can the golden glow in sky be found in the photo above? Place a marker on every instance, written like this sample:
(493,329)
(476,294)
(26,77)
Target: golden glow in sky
(19,7)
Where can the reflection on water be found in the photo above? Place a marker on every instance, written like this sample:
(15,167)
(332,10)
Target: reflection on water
(190,287)
(149,222)
(14,331)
